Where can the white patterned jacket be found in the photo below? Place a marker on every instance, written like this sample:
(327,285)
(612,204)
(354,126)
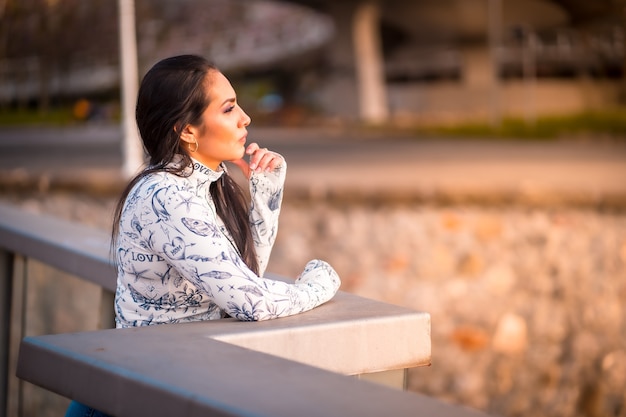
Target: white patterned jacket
(176,261)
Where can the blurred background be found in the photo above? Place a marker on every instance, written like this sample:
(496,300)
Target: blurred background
(422,62)
(462,157)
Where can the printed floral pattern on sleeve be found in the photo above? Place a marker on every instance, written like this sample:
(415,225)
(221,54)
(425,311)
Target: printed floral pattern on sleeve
(177,263)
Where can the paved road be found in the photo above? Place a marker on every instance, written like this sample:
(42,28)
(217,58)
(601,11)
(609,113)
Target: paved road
(324,162)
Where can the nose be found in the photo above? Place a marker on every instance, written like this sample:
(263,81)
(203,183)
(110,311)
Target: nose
(245,119)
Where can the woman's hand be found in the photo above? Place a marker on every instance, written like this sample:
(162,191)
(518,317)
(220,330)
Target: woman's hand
(260,160)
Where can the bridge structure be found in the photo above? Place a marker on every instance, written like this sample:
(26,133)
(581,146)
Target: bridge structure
(485,55)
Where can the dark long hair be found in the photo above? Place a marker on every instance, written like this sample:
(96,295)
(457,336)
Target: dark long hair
(172,95)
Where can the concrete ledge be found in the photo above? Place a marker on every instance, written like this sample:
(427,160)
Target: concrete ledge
(228,367)
(188,369)
(349,335)
(134,372)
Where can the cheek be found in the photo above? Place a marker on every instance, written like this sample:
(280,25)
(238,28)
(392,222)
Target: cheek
(222,130)
(220,135)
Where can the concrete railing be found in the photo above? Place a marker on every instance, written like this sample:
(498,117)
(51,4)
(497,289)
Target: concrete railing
(291,366)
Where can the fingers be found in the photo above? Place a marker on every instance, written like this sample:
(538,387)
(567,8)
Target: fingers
(261,159)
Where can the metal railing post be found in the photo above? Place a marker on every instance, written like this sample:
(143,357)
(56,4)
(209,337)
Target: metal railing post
(6,292)
(107,310)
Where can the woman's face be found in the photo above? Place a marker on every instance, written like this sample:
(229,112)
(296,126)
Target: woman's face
(222,133)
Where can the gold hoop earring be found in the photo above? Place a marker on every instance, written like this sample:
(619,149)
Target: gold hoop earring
(195,143)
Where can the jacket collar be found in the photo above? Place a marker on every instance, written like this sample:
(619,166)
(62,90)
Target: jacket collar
(197,170)
(202,172)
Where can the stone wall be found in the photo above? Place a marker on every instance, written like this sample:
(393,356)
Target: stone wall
(528,304)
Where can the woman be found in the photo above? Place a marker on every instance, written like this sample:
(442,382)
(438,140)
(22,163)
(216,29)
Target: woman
(188,246)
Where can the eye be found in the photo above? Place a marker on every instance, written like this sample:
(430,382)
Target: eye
(229,109)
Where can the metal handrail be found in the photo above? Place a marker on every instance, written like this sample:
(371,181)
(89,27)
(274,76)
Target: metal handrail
(72,248)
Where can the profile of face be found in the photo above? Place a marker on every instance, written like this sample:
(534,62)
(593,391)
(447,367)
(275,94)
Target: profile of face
(222,132)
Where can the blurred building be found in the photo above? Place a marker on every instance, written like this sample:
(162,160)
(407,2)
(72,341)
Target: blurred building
(442,60)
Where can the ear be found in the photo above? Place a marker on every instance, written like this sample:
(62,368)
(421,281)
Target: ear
(188,134)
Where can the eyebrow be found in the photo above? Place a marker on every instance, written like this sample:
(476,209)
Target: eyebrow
(229,100)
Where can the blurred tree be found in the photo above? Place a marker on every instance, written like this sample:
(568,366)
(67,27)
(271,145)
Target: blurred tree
(44,39)
(3,42)
(45,42)
(621,12)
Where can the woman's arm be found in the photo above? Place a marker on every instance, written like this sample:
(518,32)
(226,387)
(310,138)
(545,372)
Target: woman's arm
(266,191)
(266,171)
(184,231)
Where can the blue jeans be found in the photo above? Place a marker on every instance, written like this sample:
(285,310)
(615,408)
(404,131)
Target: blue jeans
(77,409)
